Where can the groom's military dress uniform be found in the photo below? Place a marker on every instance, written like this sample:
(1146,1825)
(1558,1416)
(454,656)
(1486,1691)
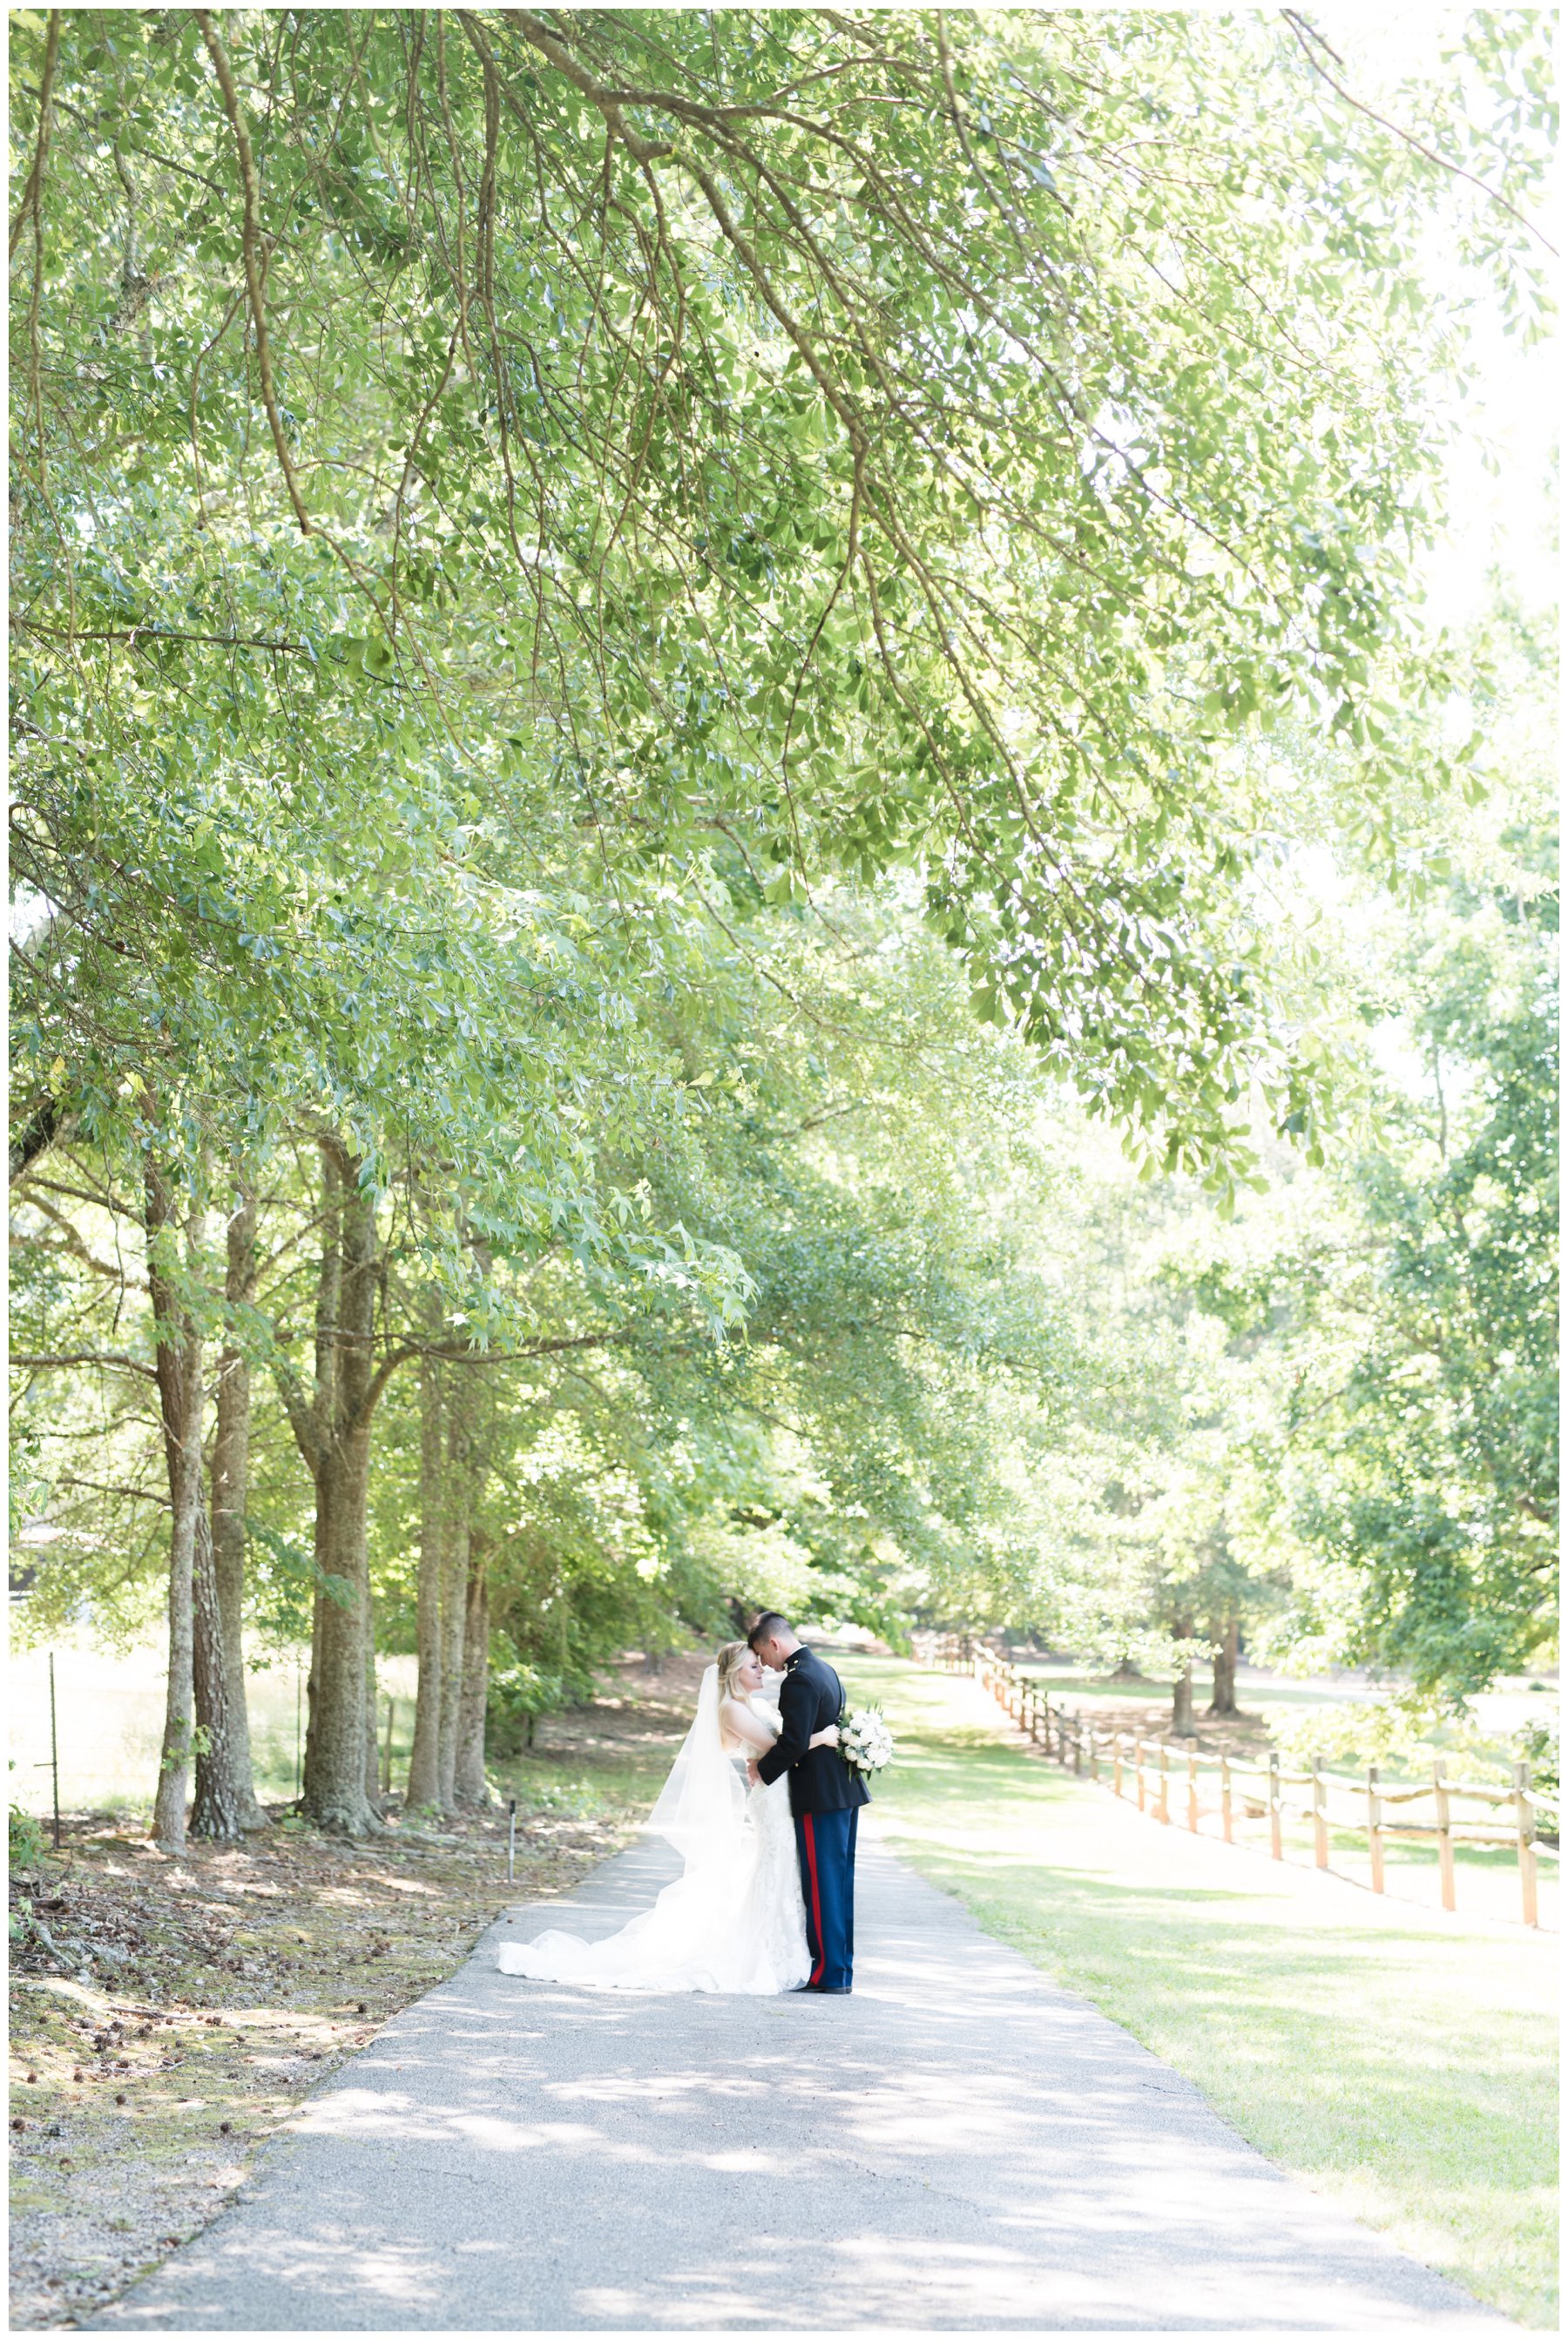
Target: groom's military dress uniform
(825,1797)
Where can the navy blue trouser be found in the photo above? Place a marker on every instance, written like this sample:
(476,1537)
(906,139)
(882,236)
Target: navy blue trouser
(825,1844)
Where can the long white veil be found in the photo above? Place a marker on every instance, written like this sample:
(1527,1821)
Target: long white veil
(701,1807)
(733,1920)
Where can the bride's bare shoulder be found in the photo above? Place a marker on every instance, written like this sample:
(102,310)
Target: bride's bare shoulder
(738,1719)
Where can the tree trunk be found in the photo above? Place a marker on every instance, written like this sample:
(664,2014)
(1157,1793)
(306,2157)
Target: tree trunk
(1181,1724)
(1226,1639)
(373,1745)
(470,1787)
(337,1443)
(453,1618)
(312,1678)
(217,1810)
(454,1591)
(177,1362)
(423,1790)
(231,1485)
(334,1784)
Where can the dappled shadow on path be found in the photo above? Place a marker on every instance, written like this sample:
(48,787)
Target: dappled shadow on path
(957,2145)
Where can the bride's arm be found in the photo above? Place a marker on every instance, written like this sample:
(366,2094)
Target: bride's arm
(744,1723)
(741,1723)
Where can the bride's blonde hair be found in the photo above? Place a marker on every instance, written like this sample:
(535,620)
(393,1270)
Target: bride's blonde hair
(730,1661)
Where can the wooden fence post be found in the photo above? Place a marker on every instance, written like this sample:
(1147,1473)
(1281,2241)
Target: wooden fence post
(1444,1840)
(1319,1816)
(1022,1698)
(1524,1816)
(1375,1827)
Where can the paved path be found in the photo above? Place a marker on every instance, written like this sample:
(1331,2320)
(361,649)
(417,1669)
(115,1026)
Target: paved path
(958,2145)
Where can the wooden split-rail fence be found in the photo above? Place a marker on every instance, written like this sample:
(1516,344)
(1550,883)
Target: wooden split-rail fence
(1173,1782)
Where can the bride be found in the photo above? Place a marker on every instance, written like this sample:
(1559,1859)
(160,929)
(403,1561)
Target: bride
(734,1920)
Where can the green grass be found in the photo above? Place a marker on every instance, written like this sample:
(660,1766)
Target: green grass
(1402,2061)
(110,1723)
(584,1784)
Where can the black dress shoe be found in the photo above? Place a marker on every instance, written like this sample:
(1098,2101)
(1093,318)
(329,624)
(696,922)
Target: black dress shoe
(830,1989)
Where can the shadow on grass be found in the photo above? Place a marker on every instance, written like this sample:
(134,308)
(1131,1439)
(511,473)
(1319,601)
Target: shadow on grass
(1411,2066)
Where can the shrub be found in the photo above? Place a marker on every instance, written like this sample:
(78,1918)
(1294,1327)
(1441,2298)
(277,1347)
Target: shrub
(519,1694)
(27,1839)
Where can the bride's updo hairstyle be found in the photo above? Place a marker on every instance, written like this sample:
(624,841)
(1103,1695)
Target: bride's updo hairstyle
(730,1661)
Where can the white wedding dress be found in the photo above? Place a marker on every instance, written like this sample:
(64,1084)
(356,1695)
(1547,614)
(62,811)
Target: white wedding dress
(734,1920)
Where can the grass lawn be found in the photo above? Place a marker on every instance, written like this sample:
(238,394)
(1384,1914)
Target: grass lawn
(1402,2061)
(598,1763)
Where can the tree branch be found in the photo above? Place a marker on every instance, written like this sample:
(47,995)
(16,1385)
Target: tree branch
(86,1357)
(249,241)
(1310,40)
(32,193)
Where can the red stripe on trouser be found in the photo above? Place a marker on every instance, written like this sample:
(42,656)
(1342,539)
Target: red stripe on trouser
(810,1835)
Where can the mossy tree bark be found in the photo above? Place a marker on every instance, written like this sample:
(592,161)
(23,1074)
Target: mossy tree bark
(218,1809)
(470,1785)
(458,1530)
(372,1744)
(177,1365)
(226,1777)
(333,1433)
(424,1760)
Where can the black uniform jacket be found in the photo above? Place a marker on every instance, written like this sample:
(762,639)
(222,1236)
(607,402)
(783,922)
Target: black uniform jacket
(820,1779)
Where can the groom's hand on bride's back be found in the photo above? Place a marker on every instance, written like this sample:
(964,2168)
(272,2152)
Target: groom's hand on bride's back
(752,1773)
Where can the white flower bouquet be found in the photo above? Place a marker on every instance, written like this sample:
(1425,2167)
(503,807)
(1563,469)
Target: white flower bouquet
(865,1741)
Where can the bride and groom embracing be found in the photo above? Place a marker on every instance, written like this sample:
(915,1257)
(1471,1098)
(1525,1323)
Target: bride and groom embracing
(762,1807)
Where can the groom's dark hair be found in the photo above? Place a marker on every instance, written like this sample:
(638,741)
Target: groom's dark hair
(766,1625)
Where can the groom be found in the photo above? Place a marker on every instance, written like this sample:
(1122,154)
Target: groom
(825,1796)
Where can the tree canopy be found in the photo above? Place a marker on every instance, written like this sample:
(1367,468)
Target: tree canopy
(639,640)
(722,447)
